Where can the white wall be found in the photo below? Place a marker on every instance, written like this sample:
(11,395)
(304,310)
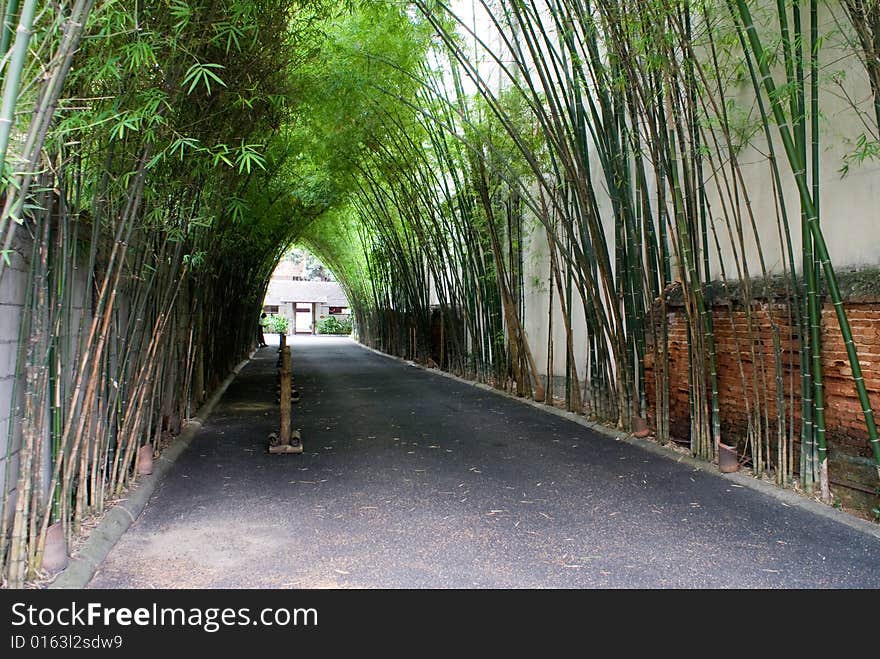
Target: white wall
(850,206)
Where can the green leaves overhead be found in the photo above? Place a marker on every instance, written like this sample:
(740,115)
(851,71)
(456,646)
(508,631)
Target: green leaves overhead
(203,74)
(256,118)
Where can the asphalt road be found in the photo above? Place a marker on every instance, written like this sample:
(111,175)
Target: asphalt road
(413,480)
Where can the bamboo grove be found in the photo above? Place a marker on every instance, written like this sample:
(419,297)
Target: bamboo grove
(160,158)
(616,131)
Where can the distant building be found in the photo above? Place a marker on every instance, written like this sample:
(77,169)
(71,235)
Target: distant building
(304,303)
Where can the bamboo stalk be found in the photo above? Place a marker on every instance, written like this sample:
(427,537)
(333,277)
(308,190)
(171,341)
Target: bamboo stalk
(12,75)
(813,226)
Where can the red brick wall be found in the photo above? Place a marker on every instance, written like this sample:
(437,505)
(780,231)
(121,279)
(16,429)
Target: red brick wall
(743,349)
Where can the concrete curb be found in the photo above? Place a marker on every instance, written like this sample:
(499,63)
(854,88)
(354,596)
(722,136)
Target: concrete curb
(117,519)
(785,496)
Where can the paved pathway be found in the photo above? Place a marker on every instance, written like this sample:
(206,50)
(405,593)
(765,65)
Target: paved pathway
(413,480)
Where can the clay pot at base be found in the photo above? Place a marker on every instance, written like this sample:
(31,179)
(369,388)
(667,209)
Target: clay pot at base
(640,427)
(727,459)
(145,460)
(55,556)
(539,394)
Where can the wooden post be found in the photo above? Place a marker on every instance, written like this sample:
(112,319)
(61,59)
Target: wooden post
(286,376)
(286,441)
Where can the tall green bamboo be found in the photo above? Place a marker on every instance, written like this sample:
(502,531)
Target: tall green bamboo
(821,249)
(12,73)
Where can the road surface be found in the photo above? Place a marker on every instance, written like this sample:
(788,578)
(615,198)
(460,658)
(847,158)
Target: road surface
(414,480)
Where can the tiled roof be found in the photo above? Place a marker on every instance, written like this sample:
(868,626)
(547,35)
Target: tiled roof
(325,292)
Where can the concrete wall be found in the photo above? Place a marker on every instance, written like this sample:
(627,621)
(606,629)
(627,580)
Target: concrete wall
(13,289)
(538,310)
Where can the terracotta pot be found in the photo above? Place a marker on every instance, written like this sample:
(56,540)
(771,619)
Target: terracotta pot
(145,460)
(55,552)
(640,427)
(727,459)
(539,394)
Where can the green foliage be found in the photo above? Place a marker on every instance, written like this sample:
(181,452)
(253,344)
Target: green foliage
(864,149)
(276,324)
(199,140)
(332,325)
(203,74)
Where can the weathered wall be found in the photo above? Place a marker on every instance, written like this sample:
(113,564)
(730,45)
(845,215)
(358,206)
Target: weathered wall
(849,208)
(747,381)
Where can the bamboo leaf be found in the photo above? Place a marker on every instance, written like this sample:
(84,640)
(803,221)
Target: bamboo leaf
(247,158)
(203,74)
